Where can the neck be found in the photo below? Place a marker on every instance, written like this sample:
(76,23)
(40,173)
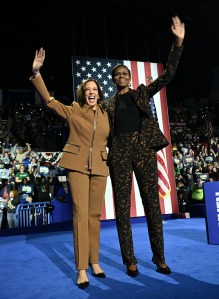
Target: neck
(123,90)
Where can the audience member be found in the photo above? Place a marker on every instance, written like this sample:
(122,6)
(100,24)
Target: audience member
(5,189)
(43,190)
(21,152)
(20,175)
(12,203)
(11,178)
(182,195)
(197,195)
(26,191)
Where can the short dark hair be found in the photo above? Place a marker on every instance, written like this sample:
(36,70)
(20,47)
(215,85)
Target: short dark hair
(116,67)
(81,92)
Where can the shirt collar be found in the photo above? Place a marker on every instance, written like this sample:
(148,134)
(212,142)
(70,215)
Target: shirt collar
(87,107)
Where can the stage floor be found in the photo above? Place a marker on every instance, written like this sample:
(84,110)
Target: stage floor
(41,265)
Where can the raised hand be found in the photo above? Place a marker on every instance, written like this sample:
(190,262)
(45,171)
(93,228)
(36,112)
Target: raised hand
(178,28)
(38,60)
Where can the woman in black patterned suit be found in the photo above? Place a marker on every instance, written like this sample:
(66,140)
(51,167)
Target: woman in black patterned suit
(135,139)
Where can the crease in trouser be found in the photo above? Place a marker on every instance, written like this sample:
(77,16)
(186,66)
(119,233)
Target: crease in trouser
(97,192)
(79,187)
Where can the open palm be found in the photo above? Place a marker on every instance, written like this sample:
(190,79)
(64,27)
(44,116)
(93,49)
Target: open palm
(38,60)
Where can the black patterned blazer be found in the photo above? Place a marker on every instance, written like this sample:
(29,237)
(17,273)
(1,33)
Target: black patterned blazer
(150,134)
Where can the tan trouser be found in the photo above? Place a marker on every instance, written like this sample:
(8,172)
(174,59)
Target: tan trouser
(87,193)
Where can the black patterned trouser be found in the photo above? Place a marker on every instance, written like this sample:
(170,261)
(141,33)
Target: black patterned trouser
(126,156)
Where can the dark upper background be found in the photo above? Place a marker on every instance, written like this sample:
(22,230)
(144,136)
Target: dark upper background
(117,29)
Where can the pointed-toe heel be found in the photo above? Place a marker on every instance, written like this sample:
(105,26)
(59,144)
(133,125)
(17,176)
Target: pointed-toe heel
(161,270)
(83,285)
(98,275)
(132,272)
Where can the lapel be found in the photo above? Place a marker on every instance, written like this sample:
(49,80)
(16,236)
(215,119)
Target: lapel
(111,106)
(140,98)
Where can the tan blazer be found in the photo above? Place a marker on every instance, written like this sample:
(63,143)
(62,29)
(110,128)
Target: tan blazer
(81,123)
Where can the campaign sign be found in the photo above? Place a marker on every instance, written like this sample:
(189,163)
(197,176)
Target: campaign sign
(4,173)
(211,191)
(202,176)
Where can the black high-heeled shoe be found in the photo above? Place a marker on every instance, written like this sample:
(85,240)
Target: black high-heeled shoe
(98,275)
(83,285)
(131,272)
(161,270)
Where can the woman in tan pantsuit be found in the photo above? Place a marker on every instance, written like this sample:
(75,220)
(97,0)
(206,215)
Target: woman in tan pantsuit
(85,158)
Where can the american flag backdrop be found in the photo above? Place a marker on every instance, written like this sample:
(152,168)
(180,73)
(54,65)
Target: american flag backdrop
(100,69)
(163,179)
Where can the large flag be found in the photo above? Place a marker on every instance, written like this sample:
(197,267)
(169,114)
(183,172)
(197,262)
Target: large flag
(100,69)
(163,179)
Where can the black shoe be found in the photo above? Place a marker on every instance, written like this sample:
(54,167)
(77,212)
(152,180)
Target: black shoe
(98,275)
(165,270)
(132,273)
(83,285)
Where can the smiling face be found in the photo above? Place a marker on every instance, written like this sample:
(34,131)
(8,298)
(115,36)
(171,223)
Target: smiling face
(121,77)
(91,93)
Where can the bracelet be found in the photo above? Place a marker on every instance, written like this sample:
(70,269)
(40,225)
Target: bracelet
(35,71)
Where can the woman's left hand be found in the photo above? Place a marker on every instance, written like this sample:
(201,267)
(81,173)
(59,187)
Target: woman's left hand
(178,28)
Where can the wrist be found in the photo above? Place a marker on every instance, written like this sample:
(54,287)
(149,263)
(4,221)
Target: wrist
(35,72)
(179,42)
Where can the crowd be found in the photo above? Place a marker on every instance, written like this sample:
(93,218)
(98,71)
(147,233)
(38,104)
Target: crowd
(195,149)
(31,123)
(27,176)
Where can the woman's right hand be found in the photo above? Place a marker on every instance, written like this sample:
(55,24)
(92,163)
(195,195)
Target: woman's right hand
(38,61)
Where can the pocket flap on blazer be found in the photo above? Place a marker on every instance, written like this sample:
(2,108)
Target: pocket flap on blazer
(104,155)
(72,148)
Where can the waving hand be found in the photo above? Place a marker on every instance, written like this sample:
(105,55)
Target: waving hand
(38,61)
